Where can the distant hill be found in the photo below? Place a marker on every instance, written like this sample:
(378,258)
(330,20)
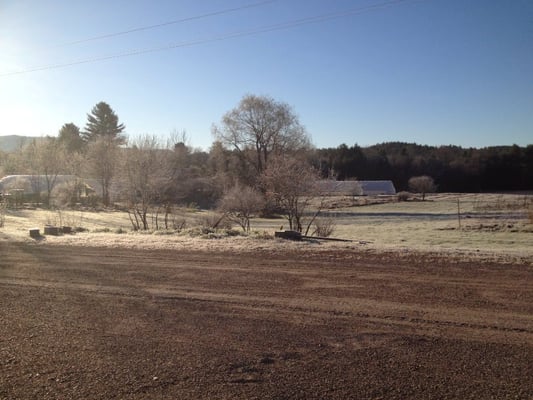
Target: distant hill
(13,142)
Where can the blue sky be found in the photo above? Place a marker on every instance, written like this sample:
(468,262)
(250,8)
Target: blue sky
(433,72)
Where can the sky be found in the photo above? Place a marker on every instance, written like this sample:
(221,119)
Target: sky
(434,72)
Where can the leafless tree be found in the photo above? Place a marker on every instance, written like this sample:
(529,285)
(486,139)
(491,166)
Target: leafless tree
(102,162)
(43,160)
(52,163)
(422,184)
(145,173)
(292,184)
(240,203)
(259,128)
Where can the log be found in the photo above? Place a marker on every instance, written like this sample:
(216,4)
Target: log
(326,238)
(289,235)
(295,235)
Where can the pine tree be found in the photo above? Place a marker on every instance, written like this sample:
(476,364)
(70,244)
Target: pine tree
(102,122)
(70,136)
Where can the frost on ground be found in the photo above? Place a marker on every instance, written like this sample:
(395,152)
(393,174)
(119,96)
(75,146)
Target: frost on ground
(490,227)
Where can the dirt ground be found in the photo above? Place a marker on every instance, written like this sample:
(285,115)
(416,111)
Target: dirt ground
(111,323)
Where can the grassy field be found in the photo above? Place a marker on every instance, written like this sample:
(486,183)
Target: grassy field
(489,224)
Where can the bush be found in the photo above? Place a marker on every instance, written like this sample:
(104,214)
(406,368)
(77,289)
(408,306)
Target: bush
(232,232)
(324,227)
(403,196)
(214,221)
(179,224)
(263,235)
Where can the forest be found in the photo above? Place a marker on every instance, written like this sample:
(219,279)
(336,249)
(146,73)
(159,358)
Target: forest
(453,168)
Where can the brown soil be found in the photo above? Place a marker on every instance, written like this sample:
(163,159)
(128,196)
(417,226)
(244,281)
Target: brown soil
(103,323)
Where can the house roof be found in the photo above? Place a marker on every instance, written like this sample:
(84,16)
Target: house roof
(378,187)
(357,188)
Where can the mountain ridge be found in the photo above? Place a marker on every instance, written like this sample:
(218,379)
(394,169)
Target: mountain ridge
(13,142)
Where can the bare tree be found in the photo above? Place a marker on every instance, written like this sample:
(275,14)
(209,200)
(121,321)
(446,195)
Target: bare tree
(75,189)
(240,203)
(146,172)
(43,160)
(51,159)
(422,184)
(102,161)
(261,127)
(292,184)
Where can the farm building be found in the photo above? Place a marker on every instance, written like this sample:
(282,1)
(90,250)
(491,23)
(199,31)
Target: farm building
(32,184)
(375,188)
(357,188)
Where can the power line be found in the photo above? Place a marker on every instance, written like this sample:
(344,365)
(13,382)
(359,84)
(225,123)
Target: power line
(173,22)
(233,35)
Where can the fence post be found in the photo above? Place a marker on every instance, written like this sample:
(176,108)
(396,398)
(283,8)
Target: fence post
(459,212)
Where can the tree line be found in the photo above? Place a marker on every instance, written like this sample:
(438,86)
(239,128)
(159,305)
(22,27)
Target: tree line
(261,161)
(453,168)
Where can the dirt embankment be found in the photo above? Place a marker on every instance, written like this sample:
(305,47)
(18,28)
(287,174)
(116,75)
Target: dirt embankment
(101,323)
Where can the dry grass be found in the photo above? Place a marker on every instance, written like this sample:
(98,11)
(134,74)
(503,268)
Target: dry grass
(491,226)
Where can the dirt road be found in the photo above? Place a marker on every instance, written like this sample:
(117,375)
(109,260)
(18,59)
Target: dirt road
(93,323)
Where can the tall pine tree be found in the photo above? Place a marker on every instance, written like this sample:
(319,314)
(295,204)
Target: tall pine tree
(102,122)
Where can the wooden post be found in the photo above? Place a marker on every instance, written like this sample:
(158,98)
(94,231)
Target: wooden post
(459,212)
(34,233)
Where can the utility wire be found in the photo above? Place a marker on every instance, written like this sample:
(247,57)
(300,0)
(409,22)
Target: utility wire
(173,22)
(251,32)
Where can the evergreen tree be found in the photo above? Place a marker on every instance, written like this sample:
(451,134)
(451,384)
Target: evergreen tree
(70,136)
(102,122)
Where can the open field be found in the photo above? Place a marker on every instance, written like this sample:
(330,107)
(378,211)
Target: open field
(101,323)
(494,227)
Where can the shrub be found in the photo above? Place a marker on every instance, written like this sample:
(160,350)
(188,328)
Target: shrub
(232,232)
(324,227)
(263,235)
(240,203)
(403,196)
(101,230)
(422,184)
(179,224)
(214,221)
